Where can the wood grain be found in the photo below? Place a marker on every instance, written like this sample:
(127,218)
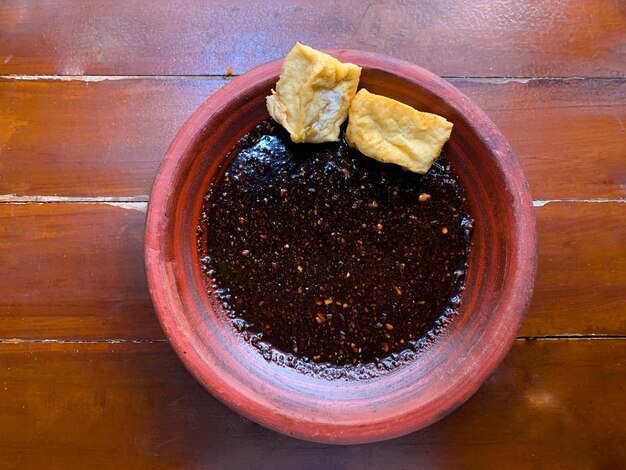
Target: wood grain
(71,273)
(581,276)
(569,135)
(450,37)
(75,271)
(107,138)
(134,406)
(90,138)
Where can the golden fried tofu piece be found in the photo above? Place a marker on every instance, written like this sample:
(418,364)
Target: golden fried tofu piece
(393,132)
(313,94)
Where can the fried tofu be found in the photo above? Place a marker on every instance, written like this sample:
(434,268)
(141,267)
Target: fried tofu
(393,132)
(313,94)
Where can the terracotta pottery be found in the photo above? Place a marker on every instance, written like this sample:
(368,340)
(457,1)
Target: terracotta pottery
(499,283)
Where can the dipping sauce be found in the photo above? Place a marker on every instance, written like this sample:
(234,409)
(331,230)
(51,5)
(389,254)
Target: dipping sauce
(329,261)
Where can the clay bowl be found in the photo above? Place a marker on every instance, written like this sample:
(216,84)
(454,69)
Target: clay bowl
(499,283)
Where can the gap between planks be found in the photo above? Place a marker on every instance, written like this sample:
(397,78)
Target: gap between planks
(81,341)
(13,341)
(137,203)
(227,76)
(140,202)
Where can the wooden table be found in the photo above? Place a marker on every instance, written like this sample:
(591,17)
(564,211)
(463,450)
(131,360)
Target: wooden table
(92,93)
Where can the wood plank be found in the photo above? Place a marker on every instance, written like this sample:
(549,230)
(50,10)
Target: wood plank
(450,37)
(568,135)
(73,271)
(76,271)
(90,138)
(134,406)
(581,279)
(107,138)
